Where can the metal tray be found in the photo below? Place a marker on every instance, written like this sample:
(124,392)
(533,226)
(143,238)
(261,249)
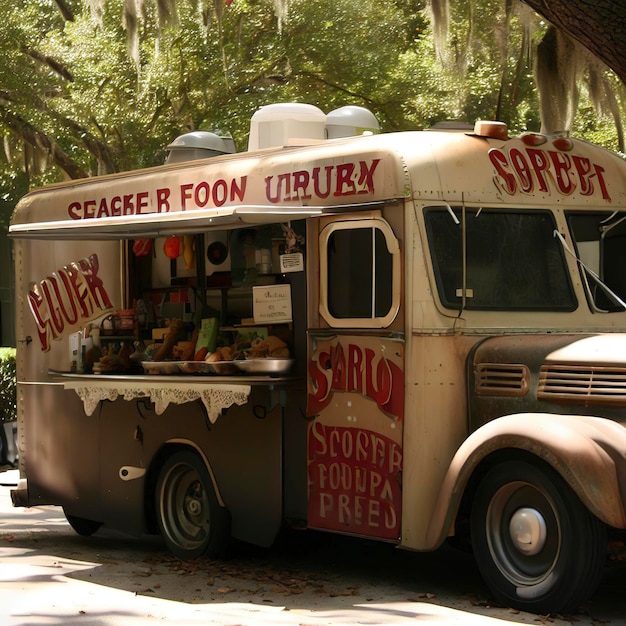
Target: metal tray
(161,367)
(273,367)
(221,368)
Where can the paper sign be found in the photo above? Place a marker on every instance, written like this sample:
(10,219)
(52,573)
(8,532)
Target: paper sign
(293,262)
(272,304)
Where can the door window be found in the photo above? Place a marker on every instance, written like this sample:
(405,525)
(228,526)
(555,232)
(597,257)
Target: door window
(360,268)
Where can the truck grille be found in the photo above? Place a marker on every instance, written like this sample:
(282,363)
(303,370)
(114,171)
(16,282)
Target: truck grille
(501,379)
(579,383)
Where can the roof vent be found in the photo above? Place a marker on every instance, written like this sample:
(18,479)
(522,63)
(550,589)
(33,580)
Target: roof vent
(199,144)
(495,130)
(350,121)
(273,125)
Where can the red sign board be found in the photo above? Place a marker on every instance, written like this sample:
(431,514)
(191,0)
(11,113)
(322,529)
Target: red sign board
(355,441)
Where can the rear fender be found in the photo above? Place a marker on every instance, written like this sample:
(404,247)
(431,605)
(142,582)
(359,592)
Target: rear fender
(588,452)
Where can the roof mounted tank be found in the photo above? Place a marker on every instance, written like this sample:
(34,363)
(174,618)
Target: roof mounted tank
(350,121)
(199,144)
(275,124)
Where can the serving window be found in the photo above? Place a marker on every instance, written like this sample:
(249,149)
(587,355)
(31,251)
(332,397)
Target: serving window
(221,302)
(360,272)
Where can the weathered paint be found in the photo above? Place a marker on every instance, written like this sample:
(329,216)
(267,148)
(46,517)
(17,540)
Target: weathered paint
(356,399)
(67,299)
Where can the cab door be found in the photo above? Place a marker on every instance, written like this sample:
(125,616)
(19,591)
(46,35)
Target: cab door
(355,397)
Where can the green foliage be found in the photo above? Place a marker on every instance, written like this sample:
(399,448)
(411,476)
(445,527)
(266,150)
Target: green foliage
(8,387)
(79,98)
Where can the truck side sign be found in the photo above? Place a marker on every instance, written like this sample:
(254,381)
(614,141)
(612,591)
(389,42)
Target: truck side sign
(66,297)
(159,195)
(346,179)
(354,481)
(527,170)
(356,369)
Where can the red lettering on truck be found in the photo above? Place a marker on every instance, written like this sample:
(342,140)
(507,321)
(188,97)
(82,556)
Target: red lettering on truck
(528,170)
(72,295)
(356,369)
(343,180)
(354,481)
(153,201)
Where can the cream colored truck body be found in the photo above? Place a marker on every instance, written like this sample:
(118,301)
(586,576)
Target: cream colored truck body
(392,414)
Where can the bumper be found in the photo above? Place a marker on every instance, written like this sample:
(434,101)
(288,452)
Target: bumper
(19,496)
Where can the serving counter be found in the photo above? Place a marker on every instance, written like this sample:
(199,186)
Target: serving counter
(216,393)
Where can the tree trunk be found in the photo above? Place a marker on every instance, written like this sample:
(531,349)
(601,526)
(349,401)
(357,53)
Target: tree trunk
(598,25)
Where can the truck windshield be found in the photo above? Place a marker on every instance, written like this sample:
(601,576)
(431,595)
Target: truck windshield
(600,240)
(512,259)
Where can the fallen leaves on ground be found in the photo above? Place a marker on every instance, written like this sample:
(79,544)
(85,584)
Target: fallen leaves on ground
(256,577)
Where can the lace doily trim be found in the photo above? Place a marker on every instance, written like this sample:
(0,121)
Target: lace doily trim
(214,397)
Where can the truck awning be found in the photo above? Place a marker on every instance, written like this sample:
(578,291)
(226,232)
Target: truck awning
(154,225)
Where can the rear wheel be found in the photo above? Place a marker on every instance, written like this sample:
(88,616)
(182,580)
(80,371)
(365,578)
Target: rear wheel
(189,516)
(538,548)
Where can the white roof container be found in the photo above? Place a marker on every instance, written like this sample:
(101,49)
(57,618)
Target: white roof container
(351,121)
(275,124)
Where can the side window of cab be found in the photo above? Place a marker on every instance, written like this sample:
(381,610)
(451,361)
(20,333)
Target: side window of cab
(500,259)
(360,274)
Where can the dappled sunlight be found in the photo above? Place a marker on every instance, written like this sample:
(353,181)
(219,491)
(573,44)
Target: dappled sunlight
(51,576)
(23,564)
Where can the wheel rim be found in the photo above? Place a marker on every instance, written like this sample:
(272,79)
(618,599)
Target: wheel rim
(523,533)
(185,508)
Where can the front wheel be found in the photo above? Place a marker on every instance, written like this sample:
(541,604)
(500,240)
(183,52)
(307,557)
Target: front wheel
(189,516)
(537,547)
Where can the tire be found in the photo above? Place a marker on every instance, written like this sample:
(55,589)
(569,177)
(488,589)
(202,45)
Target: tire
(190,519)
(537,547)
(83,527)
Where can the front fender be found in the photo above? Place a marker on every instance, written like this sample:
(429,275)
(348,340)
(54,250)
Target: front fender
(588,452)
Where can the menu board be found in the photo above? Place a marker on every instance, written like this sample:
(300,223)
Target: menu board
(272,304)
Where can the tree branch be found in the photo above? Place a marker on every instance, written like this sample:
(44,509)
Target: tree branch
(37,139)
(53,64)
(100,150)
(598,25)
(66,12)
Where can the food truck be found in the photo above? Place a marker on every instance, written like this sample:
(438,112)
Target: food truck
(398,336)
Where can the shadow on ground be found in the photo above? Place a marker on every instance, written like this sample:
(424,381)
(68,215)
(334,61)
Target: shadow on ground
(305,570)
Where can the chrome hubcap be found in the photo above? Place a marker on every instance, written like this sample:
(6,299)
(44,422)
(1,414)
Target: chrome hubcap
(528,531)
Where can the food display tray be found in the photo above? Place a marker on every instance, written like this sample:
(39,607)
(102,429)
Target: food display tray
(160,367)
(270,367)
(273,367)
(220,368)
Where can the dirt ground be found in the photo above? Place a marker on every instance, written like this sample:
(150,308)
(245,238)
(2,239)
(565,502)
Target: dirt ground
(50,575)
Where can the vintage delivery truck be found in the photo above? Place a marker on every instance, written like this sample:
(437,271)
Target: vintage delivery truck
(404,337)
